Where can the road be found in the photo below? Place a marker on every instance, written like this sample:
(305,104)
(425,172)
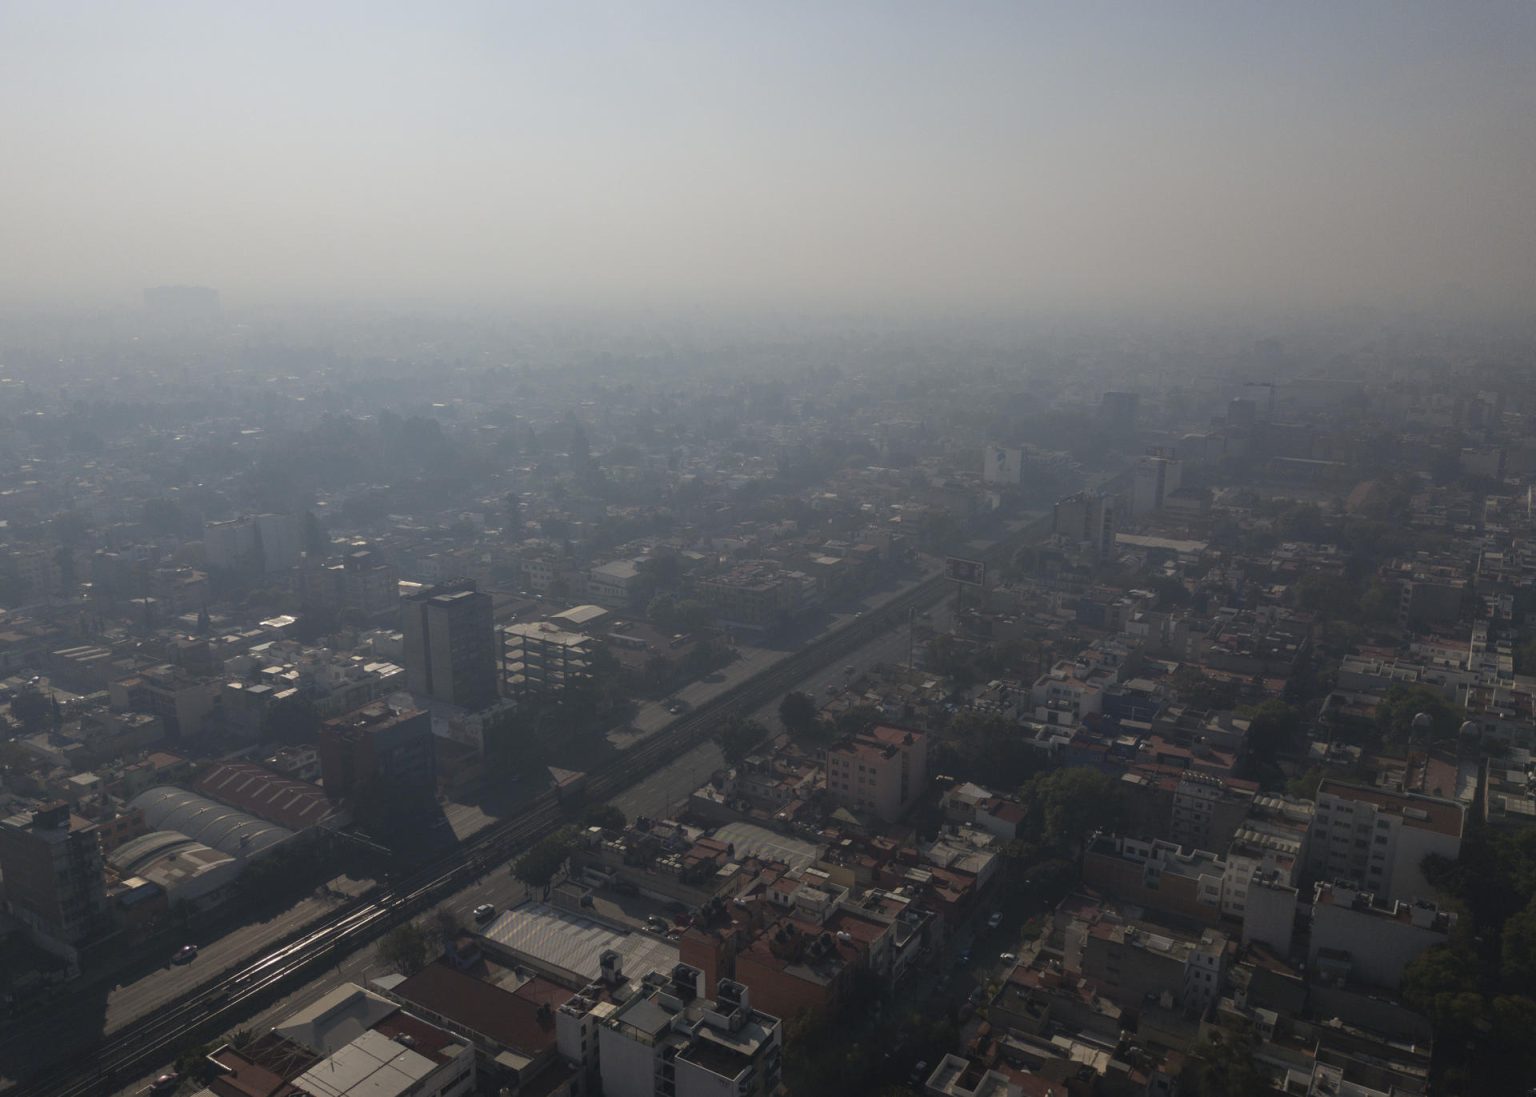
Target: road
(233,997)
(653,716)
(663,791)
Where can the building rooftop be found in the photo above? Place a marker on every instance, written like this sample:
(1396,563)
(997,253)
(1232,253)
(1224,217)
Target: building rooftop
(296,805)
(372,1065)
(508,1018)
(207,821)
(750,840)
(336,1019)
(571,943)
(1420,812)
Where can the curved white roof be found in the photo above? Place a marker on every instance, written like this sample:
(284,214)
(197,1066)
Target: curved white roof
(209,822)
(185,869)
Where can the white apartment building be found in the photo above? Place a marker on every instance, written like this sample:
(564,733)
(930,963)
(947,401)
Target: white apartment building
(664,1039)
(1377,838)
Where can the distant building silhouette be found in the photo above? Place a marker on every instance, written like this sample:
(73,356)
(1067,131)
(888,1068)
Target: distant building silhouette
(1117,411)
(450,644)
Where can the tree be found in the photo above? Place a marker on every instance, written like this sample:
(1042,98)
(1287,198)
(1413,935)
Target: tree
(1396,711)
(1224,1064)
(1271,729)
(1067,805)
(1326,595)
(603,815)
(1378,605)
(445,927)
(704,657)
(798,714)
(691,616)
(538,866)
(1305,786)
(1441,983)
(858,720)
(405,948)
(1525,658)
(192,1062)
(1518,949)
(661,611)
(988,748)
(738,738)
(1201,691)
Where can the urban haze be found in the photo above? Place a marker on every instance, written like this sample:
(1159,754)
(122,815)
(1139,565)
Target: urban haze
(676,549)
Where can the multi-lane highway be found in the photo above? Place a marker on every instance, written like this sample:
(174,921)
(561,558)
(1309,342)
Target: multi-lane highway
(232,996)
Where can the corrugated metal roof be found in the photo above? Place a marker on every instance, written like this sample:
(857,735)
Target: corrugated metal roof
(571,943)
(207,821)
(755,841)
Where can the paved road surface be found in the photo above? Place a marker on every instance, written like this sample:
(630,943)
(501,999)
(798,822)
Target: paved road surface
(653,715)
(89,1014)
(661,793)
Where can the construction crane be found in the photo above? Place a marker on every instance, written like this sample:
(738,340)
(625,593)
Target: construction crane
(1270,385)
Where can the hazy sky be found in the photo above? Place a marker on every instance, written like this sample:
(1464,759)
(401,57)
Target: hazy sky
(942,154)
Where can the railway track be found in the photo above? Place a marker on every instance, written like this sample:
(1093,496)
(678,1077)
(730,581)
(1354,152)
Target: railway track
(217,1006)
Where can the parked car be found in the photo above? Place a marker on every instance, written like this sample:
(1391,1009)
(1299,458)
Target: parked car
(165,1083)
(185,954)
(1008,957)
(995,920)
(484,912)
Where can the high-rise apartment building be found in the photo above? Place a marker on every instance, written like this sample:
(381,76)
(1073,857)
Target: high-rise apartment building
(256,542)
(52,864)
(1088,519)
(381,763)
(450,644)
(1153,478)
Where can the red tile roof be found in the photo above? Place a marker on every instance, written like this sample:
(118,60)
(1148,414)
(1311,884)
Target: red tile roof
(297,805)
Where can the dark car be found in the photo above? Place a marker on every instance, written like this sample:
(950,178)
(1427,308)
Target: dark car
(184,955)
